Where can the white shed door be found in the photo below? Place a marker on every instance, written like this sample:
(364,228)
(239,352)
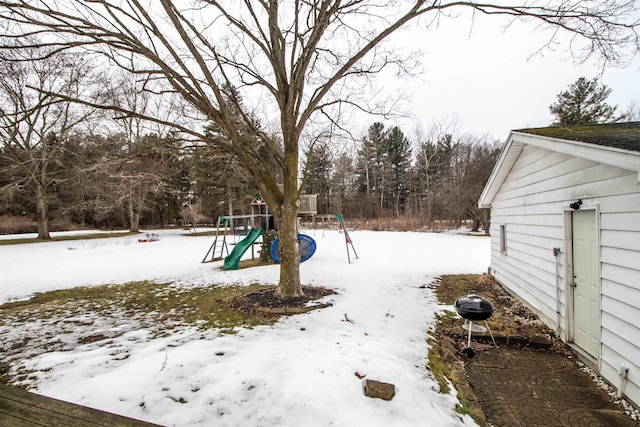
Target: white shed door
(586,295)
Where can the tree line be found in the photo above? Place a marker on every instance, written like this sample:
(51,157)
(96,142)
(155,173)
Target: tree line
(65,165)
(70,165)
(434,175)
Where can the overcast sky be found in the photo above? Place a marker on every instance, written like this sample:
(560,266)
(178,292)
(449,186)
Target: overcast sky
(489,79)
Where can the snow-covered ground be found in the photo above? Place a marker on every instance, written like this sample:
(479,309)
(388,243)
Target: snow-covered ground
(299,372)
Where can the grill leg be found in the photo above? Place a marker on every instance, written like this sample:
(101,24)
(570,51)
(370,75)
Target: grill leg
(469,337)
(489,329)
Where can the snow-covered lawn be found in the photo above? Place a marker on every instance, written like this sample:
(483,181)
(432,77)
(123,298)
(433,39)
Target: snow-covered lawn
(299,372)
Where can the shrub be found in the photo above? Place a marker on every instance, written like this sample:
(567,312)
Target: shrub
(11,224)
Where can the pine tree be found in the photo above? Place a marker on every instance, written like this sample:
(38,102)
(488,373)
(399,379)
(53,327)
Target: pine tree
(370,171)
(398,162)
(344,185)
(318,175)
(583,104)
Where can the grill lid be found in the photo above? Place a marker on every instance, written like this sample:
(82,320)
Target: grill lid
(473,307)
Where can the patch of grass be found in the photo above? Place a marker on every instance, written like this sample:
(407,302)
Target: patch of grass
(456,285)
(4,373)
(463,407)
(449,322)
(440,370)
(248,263)
(65,238)
(206,233)
(447,370)
(206,307)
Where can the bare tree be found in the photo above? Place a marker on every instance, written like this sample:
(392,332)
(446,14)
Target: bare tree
(139,168)
(304,61)
(430,145)
(473,160)
(128,175)
(632,113)
(34,120)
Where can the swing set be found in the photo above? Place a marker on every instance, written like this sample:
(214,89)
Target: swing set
(307,244)
(347,239)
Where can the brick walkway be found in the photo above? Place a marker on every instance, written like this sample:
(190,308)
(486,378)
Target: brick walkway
(521,388)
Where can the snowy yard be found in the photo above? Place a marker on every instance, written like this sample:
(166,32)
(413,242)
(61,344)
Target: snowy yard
(300,371)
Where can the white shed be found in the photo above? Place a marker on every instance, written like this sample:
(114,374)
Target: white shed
(565,238)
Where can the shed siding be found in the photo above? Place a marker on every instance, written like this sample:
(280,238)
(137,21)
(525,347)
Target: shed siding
(531,204)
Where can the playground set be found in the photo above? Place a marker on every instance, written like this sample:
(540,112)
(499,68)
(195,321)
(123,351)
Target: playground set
(261,220)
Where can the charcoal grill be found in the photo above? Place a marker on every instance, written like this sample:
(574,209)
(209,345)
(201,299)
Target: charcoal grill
(474,308)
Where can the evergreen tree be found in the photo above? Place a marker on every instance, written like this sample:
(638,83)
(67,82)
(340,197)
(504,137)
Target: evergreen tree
(343,187)
(219,184)
(399,162)
(225,162)
(370,171)
(584,103)
(441,186)
(318,176)
(423,174)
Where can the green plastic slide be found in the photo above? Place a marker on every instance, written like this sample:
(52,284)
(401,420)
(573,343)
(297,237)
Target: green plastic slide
(233,259)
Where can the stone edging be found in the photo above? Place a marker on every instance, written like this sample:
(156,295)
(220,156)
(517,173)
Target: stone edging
(534,341)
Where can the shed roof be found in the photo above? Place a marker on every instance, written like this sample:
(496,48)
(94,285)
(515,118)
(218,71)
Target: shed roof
(618,135)
(615,144)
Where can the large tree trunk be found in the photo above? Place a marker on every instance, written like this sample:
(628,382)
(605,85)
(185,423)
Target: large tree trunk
(289,248)
(485,219)
(134,216)
(288,232)
(42,210)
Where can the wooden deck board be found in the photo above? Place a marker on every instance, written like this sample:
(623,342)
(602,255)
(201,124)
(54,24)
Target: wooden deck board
(21,408)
